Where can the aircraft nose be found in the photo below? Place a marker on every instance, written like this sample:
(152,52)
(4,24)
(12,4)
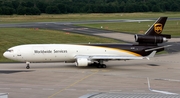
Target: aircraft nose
(7,55)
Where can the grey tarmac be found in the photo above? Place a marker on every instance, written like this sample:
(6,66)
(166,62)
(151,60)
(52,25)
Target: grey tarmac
(63,80)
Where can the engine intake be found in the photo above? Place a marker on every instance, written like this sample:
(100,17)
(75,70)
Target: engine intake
(150,39)
(82,62)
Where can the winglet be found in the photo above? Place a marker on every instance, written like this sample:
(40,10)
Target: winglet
(151,55)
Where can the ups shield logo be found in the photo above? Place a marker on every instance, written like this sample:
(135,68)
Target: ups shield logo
(158,28)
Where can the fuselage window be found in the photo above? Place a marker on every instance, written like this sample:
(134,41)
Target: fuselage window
(9,51)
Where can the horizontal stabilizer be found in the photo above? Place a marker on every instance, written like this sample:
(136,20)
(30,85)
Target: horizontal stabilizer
(157,48)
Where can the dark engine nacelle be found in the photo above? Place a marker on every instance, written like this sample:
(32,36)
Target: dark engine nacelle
(150,39)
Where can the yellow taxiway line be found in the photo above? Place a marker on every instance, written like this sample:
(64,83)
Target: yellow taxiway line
(76,82)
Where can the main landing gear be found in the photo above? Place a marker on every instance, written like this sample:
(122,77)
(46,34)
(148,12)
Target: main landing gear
(99,64)
(27,65)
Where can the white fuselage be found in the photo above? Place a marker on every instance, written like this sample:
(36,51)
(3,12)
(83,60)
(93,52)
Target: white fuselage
(60,52)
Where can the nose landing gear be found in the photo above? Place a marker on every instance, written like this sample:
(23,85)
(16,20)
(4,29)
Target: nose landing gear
(28,65)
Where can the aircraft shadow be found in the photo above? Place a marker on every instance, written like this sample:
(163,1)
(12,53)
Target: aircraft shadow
(13,71)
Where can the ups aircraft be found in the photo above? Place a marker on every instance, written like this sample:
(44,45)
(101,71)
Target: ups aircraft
(146,46)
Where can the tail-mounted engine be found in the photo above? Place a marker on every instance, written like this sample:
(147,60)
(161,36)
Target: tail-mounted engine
(145,39)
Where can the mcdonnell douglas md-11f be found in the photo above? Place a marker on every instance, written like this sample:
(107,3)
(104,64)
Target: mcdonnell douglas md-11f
(146,46)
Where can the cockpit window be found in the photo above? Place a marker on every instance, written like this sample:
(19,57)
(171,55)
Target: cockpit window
(9,50)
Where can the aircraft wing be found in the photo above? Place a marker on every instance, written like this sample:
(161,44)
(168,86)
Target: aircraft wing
(114,57)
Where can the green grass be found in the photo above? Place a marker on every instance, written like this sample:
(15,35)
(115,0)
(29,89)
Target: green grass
(77,17)
(171,27)
(17,36)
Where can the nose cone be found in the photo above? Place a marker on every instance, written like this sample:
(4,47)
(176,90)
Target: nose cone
(8,55)
(5,54)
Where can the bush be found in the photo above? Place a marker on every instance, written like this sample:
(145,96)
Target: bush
(7,10)
(52,10)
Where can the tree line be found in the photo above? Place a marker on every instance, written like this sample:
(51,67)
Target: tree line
(36,7)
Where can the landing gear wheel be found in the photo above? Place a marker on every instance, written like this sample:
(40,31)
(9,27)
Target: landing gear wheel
(98,65)
(103,66)
(27,67)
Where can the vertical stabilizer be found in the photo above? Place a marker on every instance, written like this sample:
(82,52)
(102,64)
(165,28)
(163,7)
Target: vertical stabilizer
(157,27)
(153,35)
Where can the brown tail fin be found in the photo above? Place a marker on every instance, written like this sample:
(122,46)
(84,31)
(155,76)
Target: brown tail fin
(153,35)
(157,27)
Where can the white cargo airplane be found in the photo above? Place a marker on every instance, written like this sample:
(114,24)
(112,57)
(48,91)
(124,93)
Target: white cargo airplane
(93,54)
